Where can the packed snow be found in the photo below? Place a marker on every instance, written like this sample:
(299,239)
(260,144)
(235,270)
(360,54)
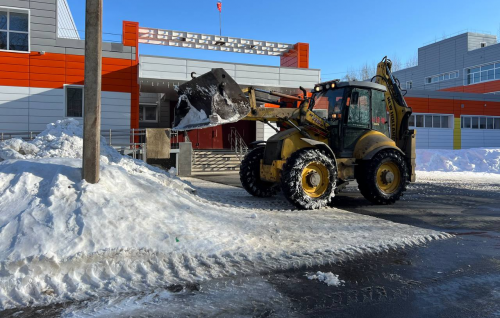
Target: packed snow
(485,160)
(193,117)
(140,227)
(328,278)
(196,119)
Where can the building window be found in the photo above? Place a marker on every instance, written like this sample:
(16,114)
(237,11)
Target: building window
(74,101)
(441,77)
(482,73)
(483,44)
(480,122)
(148,113)
(409,84)
(14,29)
(430,121)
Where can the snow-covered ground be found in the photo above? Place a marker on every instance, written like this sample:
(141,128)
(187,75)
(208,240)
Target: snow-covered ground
(485,160)
(140,227)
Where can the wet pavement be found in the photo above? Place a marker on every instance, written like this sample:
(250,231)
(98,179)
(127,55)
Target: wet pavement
(457,277)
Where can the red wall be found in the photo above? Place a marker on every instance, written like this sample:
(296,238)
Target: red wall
(479,88)
(297,57)
(453,106)
(53,70)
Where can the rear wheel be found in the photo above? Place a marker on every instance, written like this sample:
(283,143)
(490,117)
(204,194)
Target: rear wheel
(250,175)
(383,179)
(308,179)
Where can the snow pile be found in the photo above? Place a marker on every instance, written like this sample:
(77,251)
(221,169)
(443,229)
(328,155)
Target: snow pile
(464,160)
(138,228)
(64,139)
(328,278)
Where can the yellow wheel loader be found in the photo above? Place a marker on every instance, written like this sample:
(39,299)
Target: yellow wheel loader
(360,133)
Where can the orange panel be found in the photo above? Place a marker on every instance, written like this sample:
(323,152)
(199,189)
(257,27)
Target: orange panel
(48,63)
(14,61)
(14,82)
(14,55)
(123,75)
(14,68)
(113,81)
(76,80)
(75,58)
(480,88)
(113,61)
(45,84)
(47,70)
(75,72)
(75,65)
(114,68)
(14,75)
(48,77)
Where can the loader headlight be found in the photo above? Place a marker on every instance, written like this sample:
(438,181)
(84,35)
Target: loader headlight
(317,88)
(329,85)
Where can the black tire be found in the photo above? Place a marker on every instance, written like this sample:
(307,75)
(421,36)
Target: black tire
(250,175)
(369,182)
(292,179)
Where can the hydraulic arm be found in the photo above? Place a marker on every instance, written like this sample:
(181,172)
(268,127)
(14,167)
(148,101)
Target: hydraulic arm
(399,113)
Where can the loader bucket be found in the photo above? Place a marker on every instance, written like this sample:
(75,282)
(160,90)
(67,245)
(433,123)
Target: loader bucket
(211,99)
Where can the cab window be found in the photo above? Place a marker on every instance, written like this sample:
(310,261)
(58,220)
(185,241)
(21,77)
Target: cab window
(333,100)
(359,108)
(379,113)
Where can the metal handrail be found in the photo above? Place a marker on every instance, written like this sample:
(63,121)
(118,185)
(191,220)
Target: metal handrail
(238,144)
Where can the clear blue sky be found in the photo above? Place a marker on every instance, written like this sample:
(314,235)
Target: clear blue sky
(342,34)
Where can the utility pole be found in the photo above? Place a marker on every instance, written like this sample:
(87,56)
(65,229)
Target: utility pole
(92,91)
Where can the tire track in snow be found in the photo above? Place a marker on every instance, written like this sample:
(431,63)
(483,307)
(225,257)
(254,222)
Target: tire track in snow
(78,277)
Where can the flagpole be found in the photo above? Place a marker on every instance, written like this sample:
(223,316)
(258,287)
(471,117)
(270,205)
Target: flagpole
(220,24)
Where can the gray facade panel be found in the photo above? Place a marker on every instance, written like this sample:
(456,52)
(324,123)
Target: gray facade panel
(43,27)
(43,20)
(47,48)
(48,6)
(453,54)
(43,13)
(15,3)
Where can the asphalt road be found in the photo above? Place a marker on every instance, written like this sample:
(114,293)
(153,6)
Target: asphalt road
(457,277)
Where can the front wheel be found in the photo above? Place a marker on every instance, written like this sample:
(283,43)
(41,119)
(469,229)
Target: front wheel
(383,179)
(308,179)
(250,175)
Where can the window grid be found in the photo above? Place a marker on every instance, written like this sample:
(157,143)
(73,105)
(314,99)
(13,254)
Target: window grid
(8,30)
(480,122)
(441,77)
(482,73)
(431,121)
(148,113)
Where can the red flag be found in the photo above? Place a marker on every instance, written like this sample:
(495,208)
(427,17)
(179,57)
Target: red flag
(219,6)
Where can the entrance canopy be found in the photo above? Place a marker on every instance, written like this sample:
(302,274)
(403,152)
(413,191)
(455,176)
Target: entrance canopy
(211,42)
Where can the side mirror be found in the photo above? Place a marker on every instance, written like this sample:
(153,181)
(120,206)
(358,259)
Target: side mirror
(354,98)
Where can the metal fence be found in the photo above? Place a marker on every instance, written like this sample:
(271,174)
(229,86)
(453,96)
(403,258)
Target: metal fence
(130,142)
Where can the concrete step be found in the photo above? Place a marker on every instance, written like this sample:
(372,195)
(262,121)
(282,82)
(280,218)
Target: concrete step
(206,173)
(215,162)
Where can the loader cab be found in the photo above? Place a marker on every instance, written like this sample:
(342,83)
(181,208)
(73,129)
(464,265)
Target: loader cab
(354,109)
